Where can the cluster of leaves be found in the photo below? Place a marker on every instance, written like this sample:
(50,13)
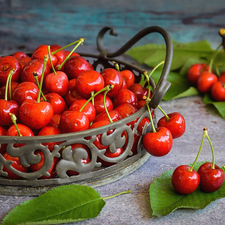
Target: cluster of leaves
(184,55)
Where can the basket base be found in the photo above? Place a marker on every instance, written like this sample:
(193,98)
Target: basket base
(95,182)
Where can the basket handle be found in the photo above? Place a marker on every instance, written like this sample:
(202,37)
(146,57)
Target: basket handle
(163,85)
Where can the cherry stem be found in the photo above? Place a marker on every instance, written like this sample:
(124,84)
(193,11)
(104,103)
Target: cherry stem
(50,59)
(213,153)
(42,78)
(150,116)
(37,82)
(93,98)
(200,148)
(116,66)
(167,117)
(105,107)
(79,42)
(8,85)
(108,87)
(152,71)
(120,193)
(13,118)
(60,49)
(213,57)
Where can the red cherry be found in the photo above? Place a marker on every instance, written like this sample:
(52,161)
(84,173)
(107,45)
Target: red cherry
(72,121)
(2,89)
(36,167)
(87,160)
(114,115)
(218,91)
(34,66)
(184,180)
(222,77)
(176,124)
(7,107)
(57,83)
(112,76)
(125,96)
(109,154)
(15,164)
(48,130)
(6,64)
(25,90)
(88,110)
(158,143)
(24,61)
(75,65)
(89,81)
(73,54)
(35,115)
(71,96)
(56,101)
(136,140)
(140,104)
(61,55)
(211,179)
(20,55)
(195,71)
(138,90)
(142,124)
(205,81)
(42,51)
(99,103)
(128,77)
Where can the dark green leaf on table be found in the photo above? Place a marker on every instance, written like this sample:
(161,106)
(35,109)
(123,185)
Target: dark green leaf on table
(64,204)
(152,54)
(180,86)
(164,199)
(220,106)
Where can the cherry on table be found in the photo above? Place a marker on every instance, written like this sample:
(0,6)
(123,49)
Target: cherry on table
(218,91)
(205,81)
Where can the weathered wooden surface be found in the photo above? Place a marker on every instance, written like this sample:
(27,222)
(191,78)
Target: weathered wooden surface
(27,24)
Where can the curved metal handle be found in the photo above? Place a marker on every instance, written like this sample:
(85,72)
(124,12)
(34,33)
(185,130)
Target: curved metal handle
(163,85)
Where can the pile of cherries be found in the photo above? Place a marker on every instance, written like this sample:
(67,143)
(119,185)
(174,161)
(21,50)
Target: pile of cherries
(55,91)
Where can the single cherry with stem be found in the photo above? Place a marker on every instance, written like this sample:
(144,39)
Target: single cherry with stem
(211,176)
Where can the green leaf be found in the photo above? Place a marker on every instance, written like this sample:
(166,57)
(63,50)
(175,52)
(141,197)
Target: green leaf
(164,199)
(152,54)
(180,86)
(220,106)
(64,204)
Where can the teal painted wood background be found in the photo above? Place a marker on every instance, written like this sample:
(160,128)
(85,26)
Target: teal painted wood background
(26,24)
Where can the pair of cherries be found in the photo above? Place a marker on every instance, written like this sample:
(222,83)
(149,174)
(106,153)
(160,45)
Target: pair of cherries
(209,176)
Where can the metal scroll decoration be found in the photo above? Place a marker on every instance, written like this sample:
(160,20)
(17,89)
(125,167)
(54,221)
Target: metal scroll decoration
(69,159)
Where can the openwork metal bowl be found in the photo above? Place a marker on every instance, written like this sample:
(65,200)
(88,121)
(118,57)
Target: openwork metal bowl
(92,174)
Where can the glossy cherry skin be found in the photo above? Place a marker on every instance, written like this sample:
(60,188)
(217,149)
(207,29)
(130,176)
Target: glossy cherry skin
(2,133)
(6,64)
(35,115)
(112,76)
(176,124)
(34,66)
(36,167)
(73,54)
(205,82)
(40,52)
(138,90)
(210,179)
(114,115)
(88,110)
(218,91)
(72,121)
(128,76)
(75,65)
(99,103)
(158,143)
(57,83)
(125,96)
(222,77)
(57,102)
(25,90)
(16,164)
(89,81)
(7,107)
(20,55)
(185,181)
(195,71)
(2,89)
(48,130)
(87,160)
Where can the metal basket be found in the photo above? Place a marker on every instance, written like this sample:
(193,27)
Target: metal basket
(91,174)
